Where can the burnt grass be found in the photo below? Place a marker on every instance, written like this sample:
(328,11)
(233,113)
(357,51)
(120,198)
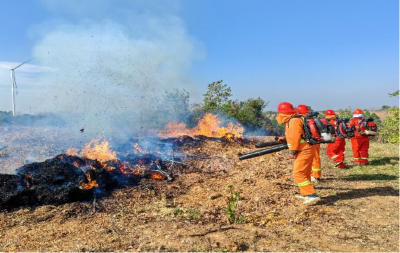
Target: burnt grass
(357,213)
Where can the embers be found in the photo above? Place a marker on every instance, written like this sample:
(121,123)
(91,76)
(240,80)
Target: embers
(64,179)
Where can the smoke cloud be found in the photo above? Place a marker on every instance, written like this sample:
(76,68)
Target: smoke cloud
(113,60)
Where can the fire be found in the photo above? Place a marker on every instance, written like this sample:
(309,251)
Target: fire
(208,126)
(157,176)
(72,152)
(90,184)
(100,152)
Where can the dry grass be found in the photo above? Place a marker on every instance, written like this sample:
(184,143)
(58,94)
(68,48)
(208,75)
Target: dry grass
(358,211)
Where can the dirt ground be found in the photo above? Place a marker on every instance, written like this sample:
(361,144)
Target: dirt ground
(189,213)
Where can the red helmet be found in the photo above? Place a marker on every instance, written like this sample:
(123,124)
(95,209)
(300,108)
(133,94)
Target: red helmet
(330,112)
(302,109)
(286,107)
(357,111)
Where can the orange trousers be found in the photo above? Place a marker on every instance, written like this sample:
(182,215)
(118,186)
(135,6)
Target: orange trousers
(316,163)
(360,147)
(336,152)
(302,169)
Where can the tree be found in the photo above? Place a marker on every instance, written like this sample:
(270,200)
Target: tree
(248,112)
(218,94)
(394,94)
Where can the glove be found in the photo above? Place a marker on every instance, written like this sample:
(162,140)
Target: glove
(280,139)
(293,154)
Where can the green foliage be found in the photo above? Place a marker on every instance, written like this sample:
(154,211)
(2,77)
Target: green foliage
(390,126)
(178,212)
(345,113)
(377,121)
(193,214)
(231,207)
(218,94)
(248,112)
(394,94)
(385,107)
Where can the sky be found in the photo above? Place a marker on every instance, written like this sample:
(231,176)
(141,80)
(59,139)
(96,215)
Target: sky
(98,56)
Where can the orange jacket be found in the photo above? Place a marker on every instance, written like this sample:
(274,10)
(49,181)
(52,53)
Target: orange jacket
(294,131)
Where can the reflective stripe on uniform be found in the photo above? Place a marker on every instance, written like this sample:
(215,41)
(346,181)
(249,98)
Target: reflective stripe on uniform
(301,141)
(304,183)
(315,169)
(333,157)
(365,158)
(357,158)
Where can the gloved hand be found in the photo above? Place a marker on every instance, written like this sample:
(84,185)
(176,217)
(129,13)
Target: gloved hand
(293,154)
(280,139)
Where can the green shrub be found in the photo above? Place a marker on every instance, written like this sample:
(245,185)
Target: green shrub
(390,126)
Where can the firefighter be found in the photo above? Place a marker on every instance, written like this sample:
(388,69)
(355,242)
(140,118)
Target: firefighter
(299,150)
(336,150)
(359,143)
(316,164)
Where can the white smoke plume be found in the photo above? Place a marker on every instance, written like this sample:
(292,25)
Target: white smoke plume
(114,62)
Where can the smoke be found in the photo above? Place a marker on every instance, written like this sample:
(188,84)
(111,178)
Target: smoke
(112,61)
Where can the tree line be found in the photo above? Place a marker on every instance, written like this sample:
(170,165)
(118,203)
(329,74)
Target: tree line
(174,106)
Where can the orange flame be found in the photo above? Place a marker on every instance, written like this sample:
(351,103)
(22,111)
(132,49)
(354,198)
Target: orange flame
(157,176)
(89,185)
(72,152)
(208,126)
(100,152)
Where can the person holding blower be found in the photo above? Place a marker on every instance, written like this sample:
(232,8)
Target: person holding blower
(299,150)
(316,164)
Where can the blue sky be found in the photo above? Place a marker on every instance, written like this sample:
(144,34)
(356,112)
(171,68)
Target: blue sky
(326,54)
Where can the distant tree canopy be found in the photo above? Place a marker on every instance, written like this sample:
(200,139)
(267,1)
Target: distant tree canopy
(218,94)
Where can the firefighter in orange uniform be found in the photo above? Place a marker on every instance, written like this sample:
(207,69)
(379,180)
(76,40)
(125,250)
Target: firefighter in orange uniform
(316,164)
(299,150)
(359,143)
(336,150)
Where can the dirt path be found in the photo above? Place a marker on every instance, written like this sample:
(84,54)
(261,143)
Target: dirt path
(358,213)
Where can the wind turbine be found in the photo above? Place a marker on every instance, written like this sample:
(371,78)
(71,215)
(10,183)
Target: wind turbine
(13,83)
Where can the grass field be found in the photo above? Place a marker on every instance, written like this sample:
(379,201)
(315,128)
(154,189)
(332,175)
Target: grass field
(383,164)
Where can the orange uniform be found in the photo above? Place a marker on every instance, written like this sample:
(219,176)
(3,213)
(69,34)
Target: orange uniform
(316,163)
(359,143)
(304,152)
(336,150)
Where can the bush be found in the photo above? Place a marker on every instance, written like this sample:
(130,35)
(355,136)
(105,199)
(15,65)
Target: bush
(248,112)
(390,126)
